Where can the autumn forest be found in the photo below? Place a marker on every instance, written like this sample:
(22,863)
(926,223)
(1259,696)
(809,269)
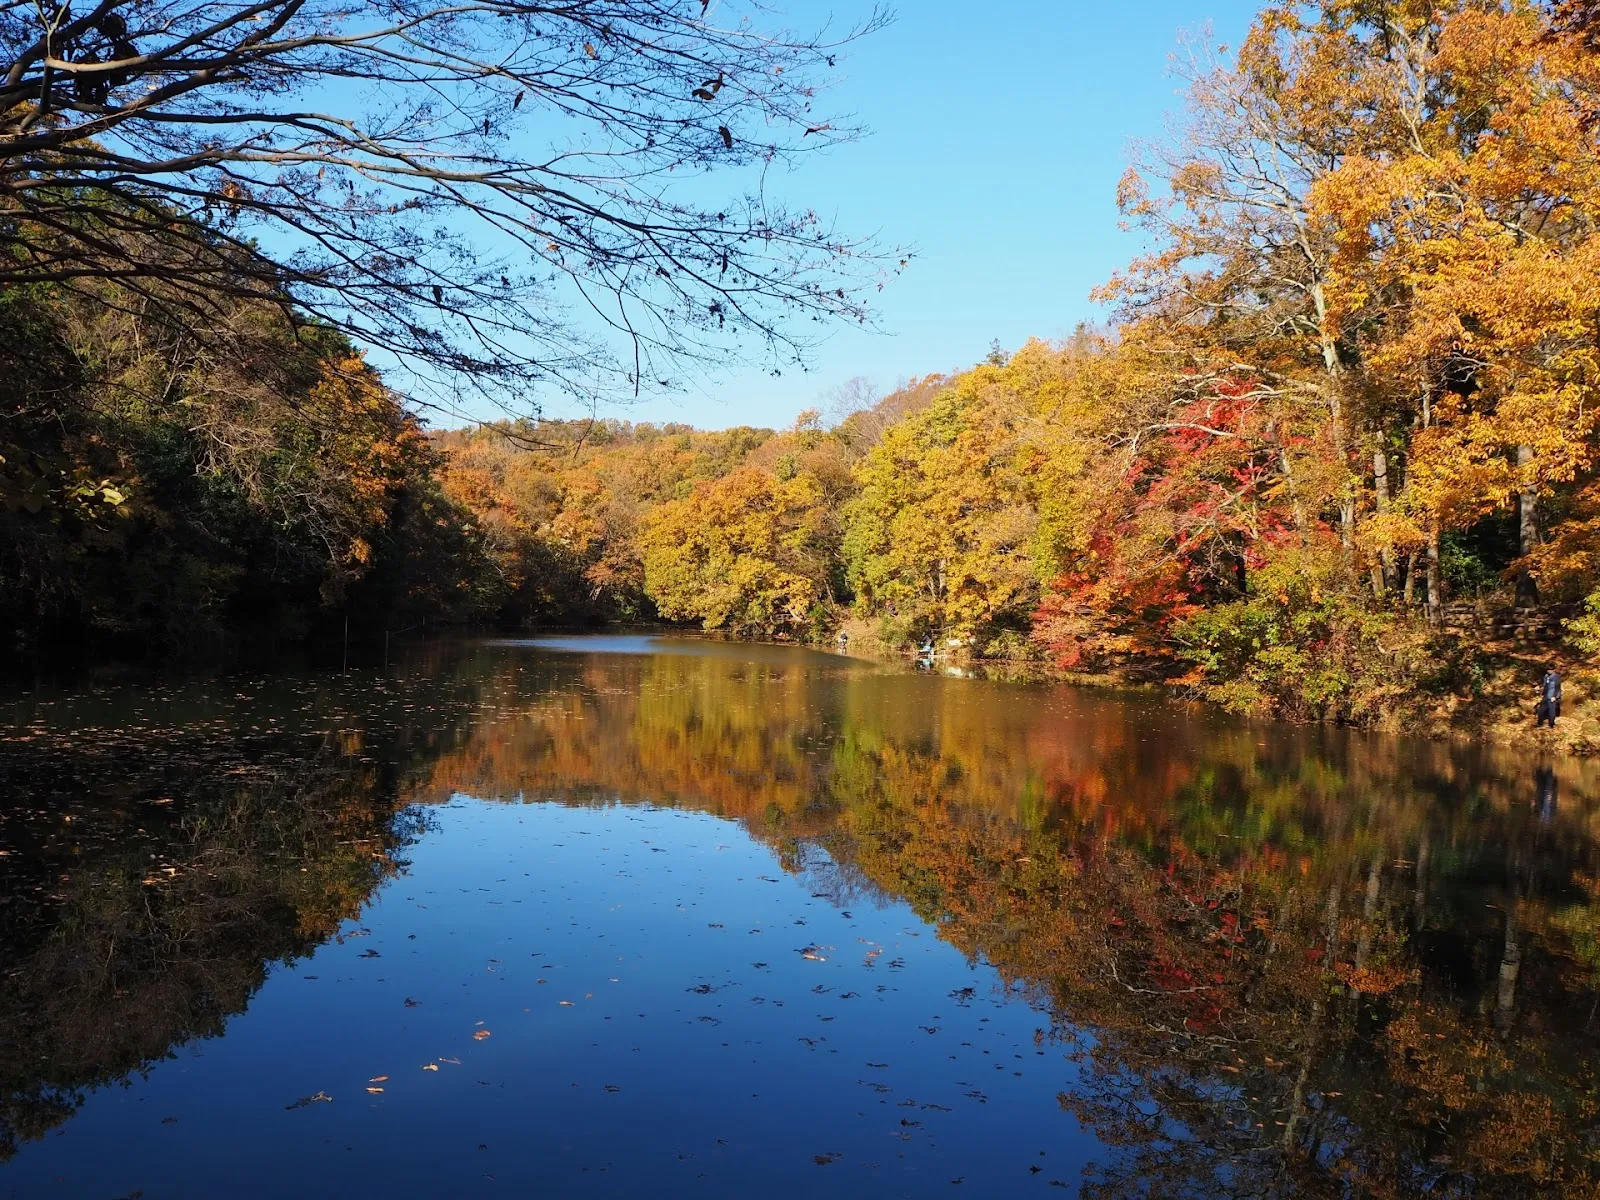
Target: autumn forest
(1339,420)
(1104,759)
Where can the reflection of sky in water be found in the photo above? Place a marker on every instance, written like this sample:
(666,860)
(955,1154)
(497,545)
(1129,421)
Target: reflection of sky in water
(641,1085)
(697,647)
(1374,954)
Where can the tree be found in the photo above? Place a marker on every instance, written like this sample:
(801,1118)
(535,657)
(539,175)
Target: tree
(163,489)
(1159,491)
(860,417)
(562,505)
(738,553)
(938,538)
(448,183)
(1234,293)
(1469,247)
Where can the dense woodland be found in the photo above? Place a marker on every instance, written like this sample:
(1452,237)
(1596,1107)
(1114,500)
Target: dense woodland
(1352,381)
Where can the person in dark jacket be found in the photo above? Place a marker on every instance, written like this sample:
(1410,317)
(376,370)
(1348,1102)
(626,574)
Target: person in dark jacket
(1549,698)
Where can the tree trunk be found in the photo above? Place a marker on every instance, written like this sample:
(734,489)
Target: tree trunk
(1294,494)
(1420,421)
(1333,374)
(1383,573)
(1434,601)
(1527,532)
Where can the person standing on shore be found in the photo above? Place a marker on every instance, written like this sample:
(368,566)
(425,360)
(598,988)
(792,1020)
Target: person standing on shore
(1550,698)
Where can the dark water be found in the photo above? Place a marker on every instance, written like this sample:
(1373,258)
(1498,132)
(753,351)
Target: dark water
(621,918)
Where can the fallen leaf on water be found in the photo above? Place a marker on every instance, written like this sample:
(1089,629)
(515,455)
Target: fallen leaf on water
(480,1035)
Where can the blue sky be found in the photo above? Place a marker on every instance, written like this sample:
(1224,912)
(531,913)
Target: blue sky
(995,151)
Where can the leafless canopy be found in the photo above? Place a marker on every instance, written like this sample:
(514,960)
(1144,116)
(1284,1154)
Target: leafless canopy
(463,184)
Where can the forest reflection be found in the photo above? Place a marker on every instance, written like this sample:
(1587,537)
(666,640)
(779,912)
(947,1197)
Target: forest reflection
(1288,961)
(1284,961)
(152,872)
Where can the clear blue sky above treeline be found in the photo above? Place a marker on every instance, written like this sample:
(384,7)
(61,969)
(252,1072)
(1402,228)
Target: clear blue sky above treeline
(997,138)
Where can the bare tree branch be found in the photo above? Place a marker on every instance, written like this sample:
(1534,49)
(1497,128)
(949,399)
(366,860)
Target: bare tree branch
(448,183)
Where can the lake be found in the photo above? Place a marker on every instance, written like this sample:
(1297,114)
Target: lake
(625,916)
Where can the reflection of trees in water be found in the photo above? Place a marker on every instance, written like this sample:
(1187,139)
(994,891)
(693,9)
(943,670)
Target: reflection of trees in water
(1318,975)
(1287,962)
(151,882)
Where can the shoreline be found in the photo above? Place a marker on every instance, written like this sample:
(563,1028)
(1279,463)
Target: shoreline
(1500,714)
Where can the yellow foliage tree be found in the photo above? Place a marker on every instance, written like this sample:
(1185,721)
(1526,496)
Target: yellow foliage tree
(737,553)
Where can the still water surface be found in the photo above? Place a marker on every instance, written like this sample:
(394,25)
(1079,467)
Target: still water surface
(627,917)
